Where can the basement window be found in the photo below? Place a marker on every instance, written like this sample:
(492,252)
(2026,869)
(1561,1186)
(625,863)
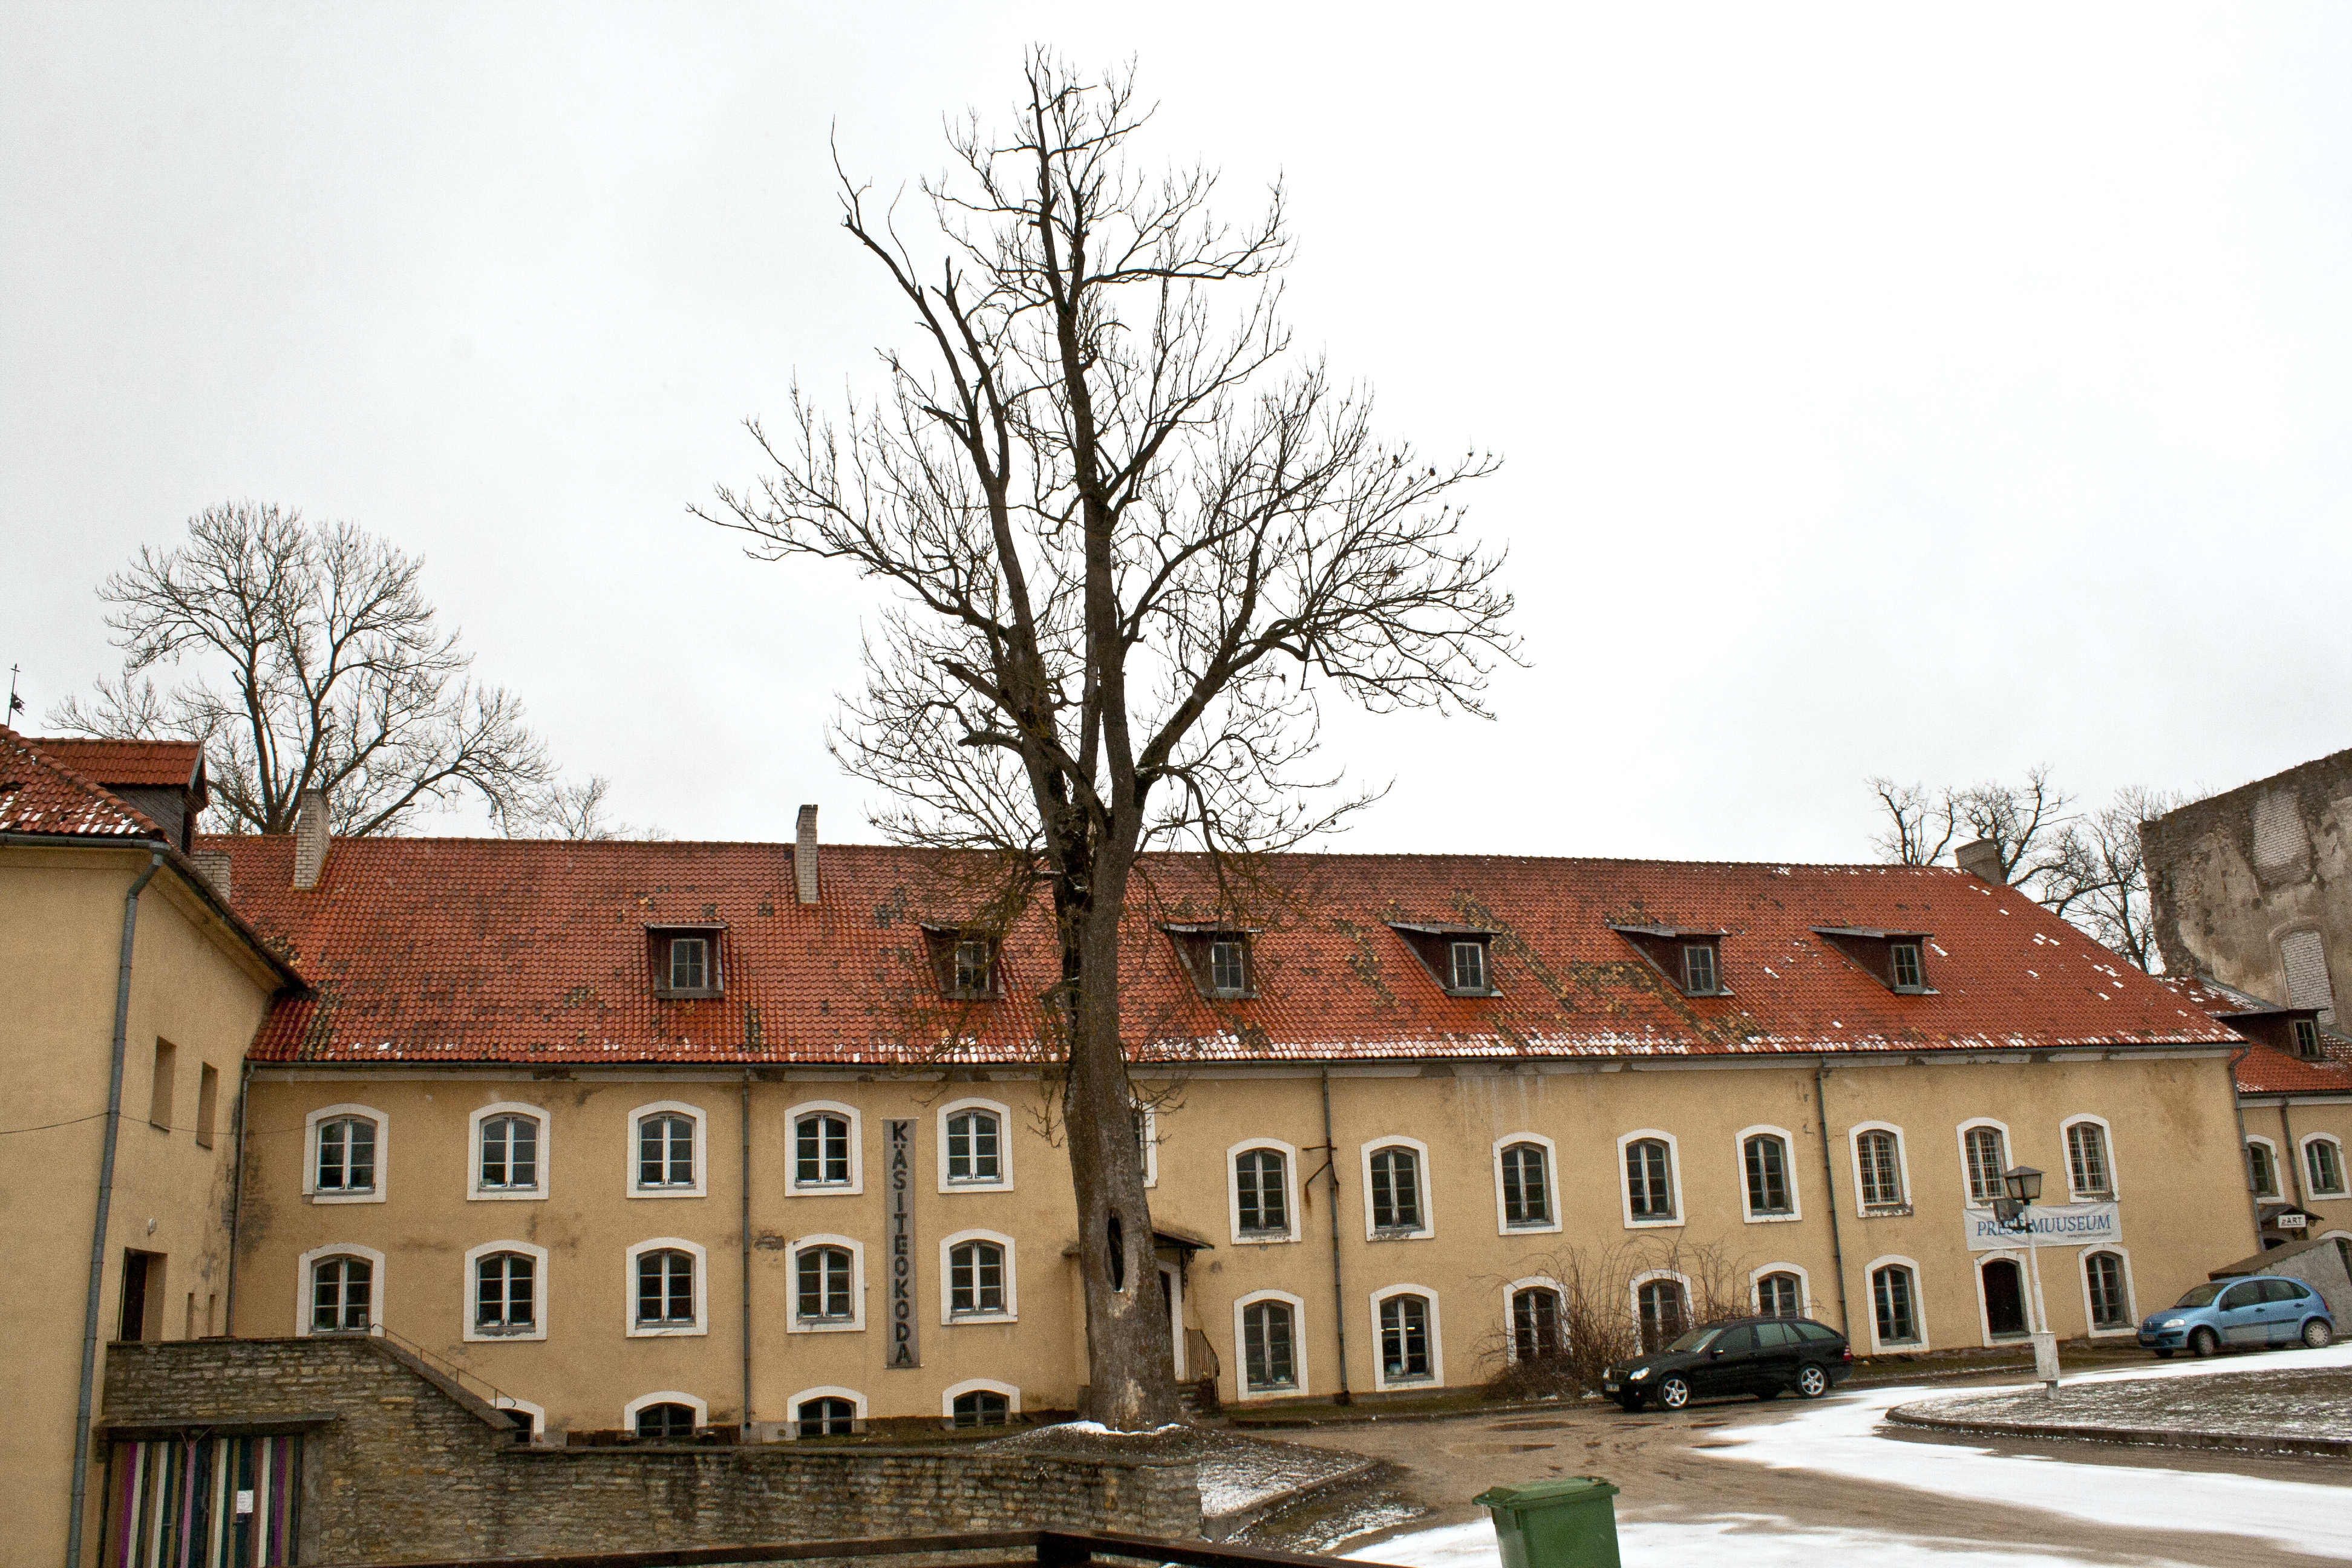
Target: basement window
(686,960)
(1690,960)
(1459,958)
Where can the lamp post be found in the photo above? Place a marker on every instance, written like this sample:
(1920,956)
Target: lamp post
(2015,1213)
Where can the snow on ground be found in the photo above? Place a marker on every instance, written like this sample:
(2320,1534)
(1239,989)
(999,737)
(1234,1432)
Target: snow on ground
(2290,1401)
(1236,1473)
(1753,1541)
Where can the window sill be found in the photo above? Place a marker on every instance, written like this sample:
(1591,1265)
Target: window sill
(825,1326)
(693,1192)
(505,1194)
(1887,1211)
(369,1196)
(476,1334)
(1639,1223)
(825,1189)
(1398,1233)
(1262,1237)
(1528,1226)
(958,1319)
(1775,1216)
(665,1330)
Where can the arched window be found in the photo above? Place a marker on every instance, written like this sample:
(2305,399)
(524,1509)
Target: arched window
(1396,1190)
(1527,1185)
(1766,1156)
(981,1407)
(672,1421)
(509,1152)
(340,1295)
(665,1151)
(821,1151)
(504,1290)
(1894,1297)
(1270,1346)
(2323,1163)
(664,1288)
(1404,1338)
(1781,1295)
(2262,1164)
(823,1284)
(975,1279)
(1881,1168)
(2103,1274)
(1986,1161)
(973,1154)
(1649,1179)
(1665,1312)
(1258,1187)
(1536,1323)
(2086,1160)
(826,1417)
(346,1155)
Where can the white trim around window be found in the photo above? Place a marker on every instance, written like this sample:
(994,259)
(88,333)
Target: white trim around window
(2106,1148)
(1634,1296)
(1804,1284)
(1289,1193)
(1420,1152)
(302,1301)
(855,1186)
(538,1412)
(948,1397)
(1503,1225)
(701,1324)
(383,1170)
(1242,1387)
(475,1191)
(1960,1143)
(701,1184)
(2277,1189)
(789,1428)
(1532,1282)
(2303,1152)
(948,1316)
(1437,1378)
(1000,1182)
(1918,1303)
(1674,1181)
(667,1397)
(1796,1209)
(2130,1327)
(1902,1167)
(538,1255)
(796,1324)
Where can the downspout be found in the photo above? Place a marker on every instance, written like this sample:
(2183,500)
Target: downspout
(236,1195)
(1339,1297)
(1828,1191)
(745,1433)
(2293,1155)
(2238,1105)
(105,1206)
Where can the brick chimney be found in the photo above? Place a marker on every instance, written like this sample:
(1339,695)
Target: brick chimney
(312,838)
(1981,860)
(804,854)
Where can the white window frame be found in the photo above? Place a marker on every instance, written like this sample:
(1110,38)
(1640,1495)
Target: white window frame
(1003,1183)
(1531,1282)
(538,1412)
(302,1285)
(2066,1151)
(856,1322)
(1902,1166)
(1289,1194)
(1788,1172)
(475,1191)
(856,1187)
(2343,1174)
(701,1324)
(701,1186)
(1918,1301)
(1960,1141)
(310,1125)
(947,1396)
(2278,1189)
(791,1423)
(1428,1225)
(1976,1261)
(1804,1286)
(948,1316)
(2130,1329)
(1437,1378)
(1242,1389)
(667,1397)
(537,1291)
(1503,1225)
(1681,1216)
(1634,1295)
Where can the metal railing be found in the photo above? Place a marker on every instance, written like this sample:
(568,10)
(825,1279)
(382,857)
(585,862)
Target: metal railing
(999,1549)
(473,1383)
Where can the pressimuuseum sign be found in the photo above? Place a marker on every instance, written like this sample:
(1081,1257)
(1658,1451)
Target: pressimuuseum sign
(2054,1225)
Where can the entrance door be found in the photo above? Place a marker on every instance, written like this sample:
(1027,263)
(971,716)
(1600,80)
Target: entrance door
(2004,1297)
(1171,1299)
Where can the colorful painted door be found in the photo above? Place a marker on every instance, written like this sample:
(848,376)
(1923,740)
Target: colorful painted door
(204,1502)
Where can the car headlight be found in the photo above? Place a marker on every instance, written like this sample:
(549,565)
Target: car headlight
(2173,1323)
(1637,1375)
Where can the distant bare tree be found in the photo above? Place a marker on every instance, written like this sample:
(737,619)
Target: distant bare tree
(327,673)
(1127,554)
(577,811)
(2099,879)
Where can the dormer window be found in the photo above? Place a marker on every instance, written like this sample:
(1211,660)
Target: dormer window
(1698,968)
(1895,959)
(686,959)
(2307,1039)
(1690,960)
(1905,956)
(1228,967)
(1457,957)
(964,962)
(689,964)
(1466,966)
(1219,959)
(975,964)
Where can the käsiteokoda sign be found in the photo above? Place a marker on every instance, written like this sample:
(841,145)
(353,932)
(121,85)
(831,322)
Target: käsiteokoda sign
(2054,1225)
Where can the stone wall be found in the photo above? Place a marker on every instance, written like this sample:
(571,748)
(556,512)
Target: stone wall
(404,1464)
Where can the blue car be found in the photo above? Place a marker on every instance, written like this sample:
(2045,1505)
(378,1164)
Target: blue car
(2266,1309)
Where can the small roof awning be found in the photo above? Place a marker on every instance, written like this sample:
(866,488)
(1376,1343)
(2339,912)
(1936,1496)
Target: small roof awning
(1667,931)
(1873,934)
(686,925)
(1436,928)
(1164,1234)
(1208,928)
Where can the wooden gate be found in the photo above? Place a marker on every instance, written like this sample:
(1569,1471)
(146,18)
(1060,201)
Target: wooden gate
(203,1501)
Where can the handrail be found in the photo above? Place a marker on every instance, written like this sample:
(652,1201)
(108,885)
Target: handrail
(1051,1549)
(457,1374)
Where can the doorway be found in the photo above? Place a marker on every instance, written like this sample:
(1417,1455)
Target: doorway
(1171,1297)
(142,1296)
(2004,1298)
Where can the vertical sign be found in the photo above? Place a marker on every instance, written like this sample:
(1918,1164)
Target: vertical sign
(904,1349)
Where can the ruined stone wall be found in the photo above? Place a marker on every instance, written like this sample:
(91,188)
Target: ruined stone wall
(408,1465)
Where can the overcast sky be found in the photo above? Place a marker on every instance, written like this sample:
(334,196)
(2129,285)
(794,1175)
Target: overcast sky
(1884,389)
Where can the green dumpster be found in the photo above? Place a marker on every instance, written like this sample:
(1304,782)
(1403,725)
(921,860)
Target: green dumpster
(1566,1523)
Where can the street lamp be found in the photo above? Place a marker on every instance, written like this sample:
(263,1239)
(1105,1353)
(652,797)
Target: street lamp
(2024,1186)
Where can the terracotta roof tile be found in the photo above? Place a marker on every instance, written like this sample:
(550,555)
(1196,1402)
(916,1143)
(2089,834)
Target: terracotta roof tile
(2266,1069)
(152,765)
(39,794)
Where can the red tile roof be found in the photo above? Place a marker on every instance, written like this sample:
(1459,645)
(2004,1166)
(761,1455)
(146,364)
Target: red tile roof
(128,764)
(40,795)
(2266,1069)
(501,950)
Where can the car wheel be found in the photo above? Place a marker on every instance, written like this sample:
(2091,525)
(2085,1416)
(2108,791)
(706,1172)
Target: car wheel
(1632,1402)
(2319,1333)
(2164,1356)
(1674,1391)
(2203,1343)
(1813,1381)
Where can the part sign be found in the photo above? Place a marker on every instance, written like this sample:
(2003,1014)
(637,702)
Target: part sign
(2054,1225)
(904,1349)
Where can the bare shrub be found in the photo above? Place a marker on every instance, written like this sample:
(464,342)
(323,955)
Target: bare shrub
(1599,1322)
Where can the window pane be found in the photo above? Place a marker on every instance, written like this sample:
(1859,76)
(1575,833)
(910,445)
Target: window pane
(1891,1295)
(1268,1352)
(1258,1185)
(689,969)
(1526,1196)
(1469,966)
(1396,1191)
(1907,963)
(1698,968)
(1648,1180)
(1228,974)
(1984,1165)
(330,1154)
(2103,1273)
(1405,1336)
(2087,1157)
(1767,1176)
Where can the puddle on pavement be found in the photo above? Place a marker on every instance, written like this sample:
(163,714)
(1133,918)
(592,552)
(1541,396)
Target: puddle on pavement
(1480,1450)
(1529,1426)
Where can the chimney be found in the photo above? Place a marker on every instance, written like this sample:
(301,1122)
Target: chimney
(1981,860)
(213,864)
(310,838)
(804,854)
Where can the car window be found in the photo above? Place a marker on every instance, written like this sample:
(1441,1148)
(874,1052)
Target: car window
(1774,1336)
(2239,1296)
(2281,1290)
(1696,1340)
(2202,1296)
(1734,1341)
(1818,1332)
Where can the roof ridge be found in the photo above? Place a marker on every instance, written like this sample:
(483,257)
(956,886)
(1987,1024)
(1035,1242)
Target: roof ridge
(42,759)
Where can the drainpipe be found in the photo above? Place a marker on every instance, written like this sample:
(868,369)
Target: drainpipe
(2293,1155)
(2238,1104)
(105,1204)
(1338,1296)
(237,1196)
(1829,1189)
(744,1432)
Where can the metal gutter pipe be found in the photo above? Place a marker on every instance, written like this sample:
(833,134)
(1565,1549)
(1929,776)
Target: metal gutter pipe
(744,1432)
(105,1207)
(237,1195)
(1338,1296)
(2238,1104)
(1829,1191)
(2293,1156)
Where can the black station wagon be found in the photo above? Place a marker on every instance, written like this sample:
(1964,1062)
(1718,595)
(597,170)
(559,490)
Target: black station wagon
(1759,1356)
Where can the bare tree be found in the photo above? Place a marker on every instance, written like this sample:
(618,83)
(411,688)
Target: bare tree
(578,811)
(1126,552)
(2099,879)
(331,675)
